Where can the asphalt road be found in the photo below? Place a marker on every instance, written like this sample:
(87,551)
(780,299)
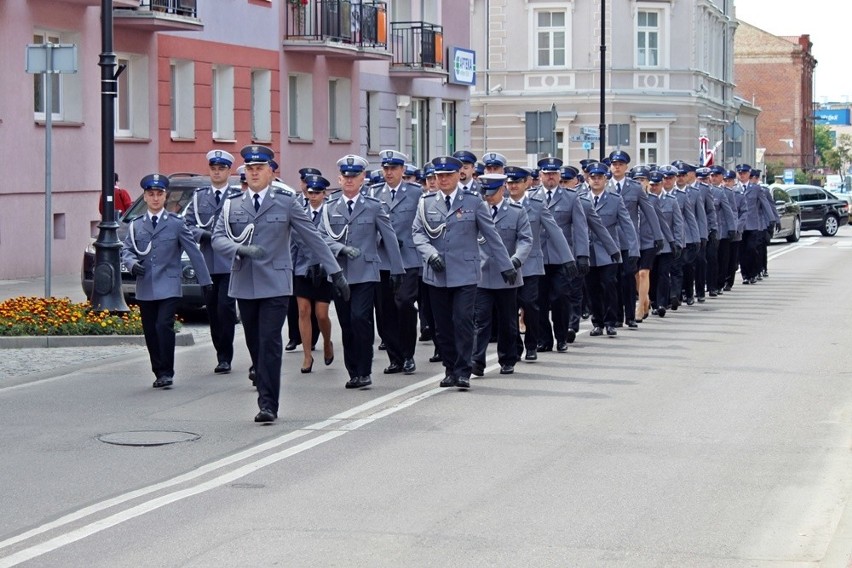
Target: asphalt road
(718,436)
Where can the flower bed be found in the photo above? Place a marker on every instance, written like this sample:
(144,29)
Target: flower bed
(23,316)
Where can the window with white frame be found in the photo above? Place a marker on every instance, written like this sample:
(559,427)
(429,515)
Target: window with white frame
(301,106)
(419,130)
(223,102)
(339,115)
(261,105)
(131,101)
(374,122)
(182,99)
(552,34)
(649,146)
(448,126)
(65,88)
(648,38)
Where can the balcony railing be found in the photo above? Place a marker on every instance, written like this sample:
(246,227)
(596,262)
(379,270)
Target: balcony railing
(418,45)
(179,7)
(357,23)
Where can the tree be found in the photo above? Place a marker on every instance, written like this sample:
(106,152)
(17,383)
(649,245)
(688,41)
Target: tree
(823,143)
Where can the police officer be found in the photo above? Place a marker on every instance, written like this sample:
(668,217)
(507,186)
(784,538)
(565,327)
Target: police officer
(446,231)
(757,212)
(772,220)
(254,230)
(695,203)
(399,314)
(727,230)
(201,215)
(671,221)
(152,250)
(700,176)
(601,280)
(494,293)
(353,225)
(494,162)
(735,196)
(541,222)
(690,233)
(467,171)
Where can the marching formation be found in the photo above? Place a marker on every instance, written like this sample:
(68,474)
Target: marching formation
(475,251)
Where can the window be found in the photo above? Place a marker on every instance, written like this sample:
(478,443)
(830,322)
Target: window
(131,102)
(448,126)
(223,102)
(66,89)
(261,105)
(648,38)
(374,121)
(339,115)
(649,147)
(182,99)
(301,106)
(419,130)
(551,37)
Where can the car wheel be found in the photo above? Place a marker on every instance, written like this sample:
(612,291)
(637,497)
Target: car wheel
(830,226)
(797,231)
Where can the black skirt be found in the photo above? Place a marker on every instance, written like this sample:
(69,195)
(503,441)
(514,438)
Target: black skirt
(646,259)
(304,288)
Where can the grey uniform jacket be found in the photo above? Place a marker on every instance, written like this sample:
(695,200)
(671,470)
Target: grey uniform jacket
(766,193)
(595,224)
(687,211)
(696,199)
(544,229)
(757,211)
(616,219)
(739,199)
(401,209)
(569,216)
(367,229)
(203,219)
(162,264)
(725,216)
(635,199)
(301,254)
(453,235)
(646,233)
(515,232)
(271,276)
(709,207)
(668,212)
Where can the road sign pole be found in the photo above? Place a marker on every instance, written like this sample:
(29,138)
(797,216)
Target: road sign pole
(48,178)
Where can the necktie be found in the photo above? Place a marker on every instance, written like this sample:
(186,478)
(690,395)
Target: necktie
(596,200)
(464,187)
(549,195)
(393,194)
(617,190)
(218,196)
(493,211)
(447,200)
(314,217)
(154,220)
(349,205)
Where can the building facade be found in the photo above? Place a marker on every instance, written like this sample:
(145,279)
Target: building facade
(668,77)
(314,79)
(776,73)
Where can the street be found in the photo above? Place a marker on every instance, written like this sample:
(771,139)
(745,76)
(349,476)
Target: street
(718,436)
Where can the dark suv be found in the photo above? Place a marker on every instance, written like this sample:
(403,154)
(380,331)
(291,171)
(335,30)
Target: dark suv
(178,198)
(821,211)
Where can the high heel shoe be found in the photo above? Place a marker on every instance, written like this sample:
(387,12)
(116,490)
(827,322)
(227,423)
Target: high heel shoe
(309,367)
(326,359)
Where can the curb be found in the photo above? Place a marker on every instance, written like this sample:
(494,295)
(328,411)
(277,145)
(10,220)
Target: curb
(183,339)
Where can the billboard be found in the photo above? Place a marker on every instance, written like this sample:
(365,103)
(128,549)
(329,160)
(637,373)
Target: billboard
(462,66)
(833,117)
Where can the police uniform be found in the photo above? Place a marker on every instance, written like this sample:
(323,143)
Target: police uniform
(152,251)
(735,196)
(711,247)
(398,324)
(201,214)
(494,293)
(446,236)
(695,204)
(468,157)
(671,221)
(726,230)
(254,230)
(353,227)
(757,212)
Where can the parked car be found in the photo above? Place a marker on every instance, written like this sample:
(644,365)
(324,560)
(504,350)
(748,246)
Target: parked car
(178,198)
(821,210)
(790,213)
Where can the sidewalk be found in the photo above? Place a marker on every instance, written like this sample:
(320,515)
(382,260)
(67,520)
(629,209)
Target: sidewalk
(26,364)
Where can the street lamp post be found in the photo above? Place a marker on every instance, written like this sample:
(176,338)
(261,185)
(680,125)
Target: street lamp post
(106,289)
(602,125)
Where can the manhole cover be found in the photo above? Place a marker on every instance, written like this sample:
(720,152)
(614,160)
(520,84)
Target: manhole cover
(148,438)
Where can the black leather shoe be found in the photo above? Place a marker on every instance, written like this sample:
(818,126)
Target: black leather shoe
(712,294)
(727,288)
(561,346)
(619,324)
(596,331)
(570,336)
(655,311)
(611,331)
(766,274)
(222,368)
(393,368)
(690,301)
(359,382)
(507,369)
(632,324)
(477,369)
(252,375)
(463,382)
(435,358)
(585,315)
(425,334)
(701,299)
(162,382)
(760,277)
(448,381)
(382,346)
(408,366)
(752,280)
(544,348)
(291,345)
(531,355)
(265,415)
(661,312)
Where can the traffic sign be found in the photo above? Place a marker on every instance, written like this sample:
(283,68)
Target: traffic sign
(590,130)
(575,138)
(588,146)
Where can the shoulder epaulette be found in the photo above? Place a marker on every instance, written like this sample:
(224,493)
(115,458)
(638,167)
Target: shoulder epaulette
(584,196)
(535,197)
(470,192)
(135,218)
(414,185)
(333,197)
(513,204)
(233,195)
(282,191)
(200,189)
(371,198)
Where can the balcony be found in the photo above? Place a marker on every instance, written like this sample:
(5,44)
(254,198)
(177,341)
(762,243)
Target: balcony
(344,29)
(115,3)
(158,15)
(418,50)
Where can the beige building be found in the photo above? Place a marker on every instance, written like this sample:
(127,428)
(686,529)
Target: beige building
(668,77)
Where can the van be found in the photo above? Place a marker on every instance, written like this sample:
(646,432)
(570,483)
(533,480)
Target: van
(834,183)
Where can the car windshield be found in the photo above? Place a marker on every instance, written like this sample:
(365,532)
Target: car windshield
(177,199)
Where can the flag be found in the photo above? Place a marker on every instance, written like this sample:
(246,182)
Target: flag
(706,155)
